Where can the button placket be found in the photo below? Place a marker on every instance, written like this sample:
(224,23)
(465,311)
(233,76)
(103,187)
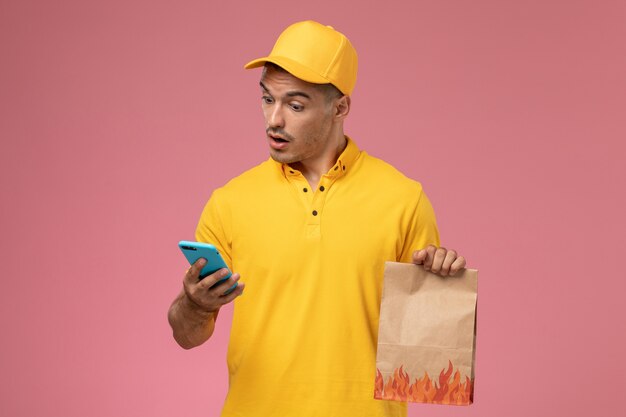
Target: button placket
(313,216)
(319,197)
(315,209)
(314,198)
(300,184)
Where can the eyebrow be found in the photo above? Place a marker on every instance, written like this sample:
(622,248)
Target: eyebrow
(290,93)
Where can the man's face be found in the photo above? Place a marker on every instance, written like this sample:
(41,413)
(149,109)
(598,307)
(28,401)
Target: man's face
(298,117)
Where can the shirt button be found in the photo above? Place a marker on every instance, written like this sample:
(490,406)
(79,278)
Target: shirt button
(322,188)
(305,190)
(315,212)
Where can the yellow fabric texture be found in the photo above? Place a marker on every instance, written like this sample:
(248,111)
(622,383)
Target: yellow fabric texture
(304,333)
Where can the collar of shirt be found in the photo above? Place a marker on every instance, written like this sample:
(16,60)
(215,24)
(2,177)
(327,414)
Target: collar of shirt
(341,167)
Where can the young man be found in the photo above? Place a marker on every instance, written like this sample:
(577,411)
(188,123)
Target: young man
(310,230)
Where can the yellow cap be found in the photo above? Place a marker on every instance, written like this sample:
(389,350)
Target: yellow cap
(314,53)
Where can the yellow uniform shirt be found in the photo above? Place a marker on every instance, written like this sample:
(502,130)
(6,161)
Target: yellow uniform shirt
(304,333)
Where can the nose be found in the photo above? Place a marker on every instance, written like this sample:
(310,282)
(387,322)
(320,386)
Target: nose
(275,117)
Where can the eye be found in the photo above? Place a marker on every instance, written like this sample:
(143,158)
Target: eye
(267,99)
(297,107)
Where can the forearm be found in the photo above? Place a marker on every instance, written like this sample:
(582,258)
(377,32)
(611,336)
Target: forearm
(191,326)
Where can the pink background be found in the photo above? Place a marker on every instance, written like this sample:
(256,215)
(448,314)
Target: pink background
(117,119)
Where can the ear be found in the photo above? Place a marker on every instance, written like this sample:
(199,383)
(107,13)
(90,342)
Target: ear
(342,107)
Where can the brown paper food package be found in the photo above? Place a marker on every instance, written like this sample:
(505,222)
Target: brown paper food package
(426,336)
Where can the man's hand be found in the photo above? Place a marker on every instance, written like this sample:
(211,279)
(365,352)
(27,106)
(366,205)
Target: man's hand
(202,297)
(439,260)
(192,314)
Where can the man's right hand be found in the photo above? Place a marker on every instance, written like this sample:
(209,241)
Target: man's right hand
(192,314)
(203,298)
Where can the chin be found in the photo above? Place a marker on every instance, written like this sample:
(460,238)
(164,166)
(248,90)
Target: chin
(283,158)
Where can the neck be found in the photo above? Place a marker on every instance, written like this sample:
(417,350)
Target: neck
(315,168)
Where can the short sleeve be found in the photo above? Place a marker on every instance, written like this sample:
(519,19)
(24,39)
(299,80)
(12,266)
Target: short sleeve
(214,226)
(422,228)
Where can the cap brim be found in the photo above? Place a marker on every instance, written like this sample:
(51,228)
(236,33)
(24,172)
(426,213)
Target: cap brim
(291,66)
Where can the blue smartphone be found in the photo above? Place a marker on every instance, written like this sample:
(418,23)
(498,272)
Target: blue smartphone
(214,261)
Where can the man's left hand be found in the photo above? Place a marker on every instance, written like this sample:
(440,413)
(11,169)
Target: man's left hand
(439,260)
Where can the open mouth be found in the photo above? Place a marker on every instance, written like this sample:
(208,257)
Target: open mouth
(278,139)
(277,142)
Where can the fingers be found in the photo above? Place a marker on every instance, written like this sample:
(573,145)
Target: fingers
(457,265)
(222,287)
(204,293)
(431,252)
(424,256)
(194,271)
(439,260)
(212,279)
(448,260)
(419,256)
(225,299)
